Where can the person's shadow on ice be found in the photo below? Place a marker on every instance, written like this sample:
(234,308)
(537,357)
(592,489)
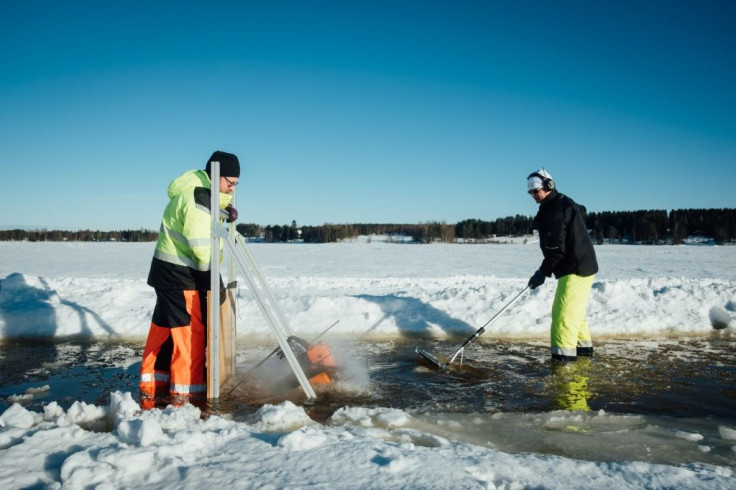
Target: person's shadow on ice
(26,311)
(30,329)
(29,311)
(415,318)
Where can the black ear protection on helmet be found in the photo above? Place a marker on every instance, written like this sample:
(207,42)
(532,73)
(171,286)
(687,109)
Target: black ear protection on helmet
(547,183)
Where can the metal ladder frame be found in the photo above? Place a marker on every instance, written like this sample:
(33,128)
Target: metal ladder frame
(242,257)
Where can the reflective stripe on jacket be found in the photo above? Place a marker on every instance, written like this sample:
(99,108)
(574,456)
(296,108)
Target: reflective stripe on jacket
(181,259)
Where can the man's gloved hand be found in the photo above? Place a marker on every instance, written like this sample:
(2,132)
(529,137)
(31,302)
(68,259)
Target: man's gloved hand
(232,213)
(537,279)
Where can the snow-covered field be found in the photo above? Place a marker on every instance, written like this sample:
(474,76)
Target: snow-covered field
(377,290)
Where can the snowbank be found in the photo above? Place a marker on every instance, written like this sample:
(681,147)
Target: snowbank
(375,290)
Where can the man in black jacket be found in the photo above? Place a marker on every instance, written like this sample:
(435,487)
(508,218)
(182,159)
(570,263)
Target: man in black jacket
(569,255)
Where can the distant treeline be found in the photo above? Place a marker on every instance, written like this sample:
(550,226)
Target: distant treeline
(646,227)
(79,236)
(327,233)
(658,226)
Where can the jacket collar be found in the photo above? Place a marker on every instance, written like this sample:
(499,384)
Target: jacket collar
(551,197)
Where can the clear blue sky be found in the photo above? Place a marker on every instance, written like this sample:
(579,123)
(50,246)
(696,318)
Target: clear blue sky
(371,111)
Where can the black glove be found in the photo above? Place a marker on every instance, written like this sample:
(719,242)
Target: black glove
(232,213)
(537,279)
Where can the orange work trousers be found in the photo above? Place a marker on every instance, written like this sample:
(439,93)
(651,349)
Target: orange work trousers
(174,355)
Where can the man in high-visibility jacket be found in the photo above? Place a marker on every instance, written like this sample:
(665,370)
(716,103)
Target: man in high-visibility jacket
(174,355)
(569,255)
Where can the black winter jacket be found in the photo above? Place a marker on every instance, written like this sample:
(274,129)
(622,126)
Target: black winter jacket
(563,238)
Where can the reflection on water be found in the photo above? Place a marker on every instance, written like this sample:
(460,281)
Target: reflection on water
(651,400)
(66,372)
(569,386)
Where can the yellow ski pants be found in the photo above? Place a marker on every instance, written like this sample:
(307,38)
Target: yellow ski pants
(569,330)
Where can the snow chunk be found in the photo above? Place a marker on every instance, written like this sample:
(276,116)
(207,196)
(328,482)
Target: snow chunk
(391,419)
(689,436)
(178,418)
(122,406)
(25,397)
(420,438)
(140,432)
(54,413)
(90,417)
(18,417)
(29,394)
(368,417)
(303,439)
(727,433)
(284,417)
(351,416)
(719,318)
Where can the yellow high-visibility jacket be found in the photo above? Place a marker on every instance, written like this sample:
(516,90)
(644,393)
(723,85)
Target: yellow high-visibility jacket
(182,256)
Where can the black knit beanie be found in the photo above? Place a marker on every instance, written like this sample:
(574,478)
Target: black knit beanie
(229,164)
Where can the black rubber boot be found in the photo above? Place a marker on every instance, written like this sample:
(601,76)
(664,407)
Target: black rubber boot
(585,351)
(561,358)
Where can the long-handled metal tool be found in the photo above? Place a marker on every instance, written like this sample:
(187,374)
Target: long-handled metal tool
(446,365)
